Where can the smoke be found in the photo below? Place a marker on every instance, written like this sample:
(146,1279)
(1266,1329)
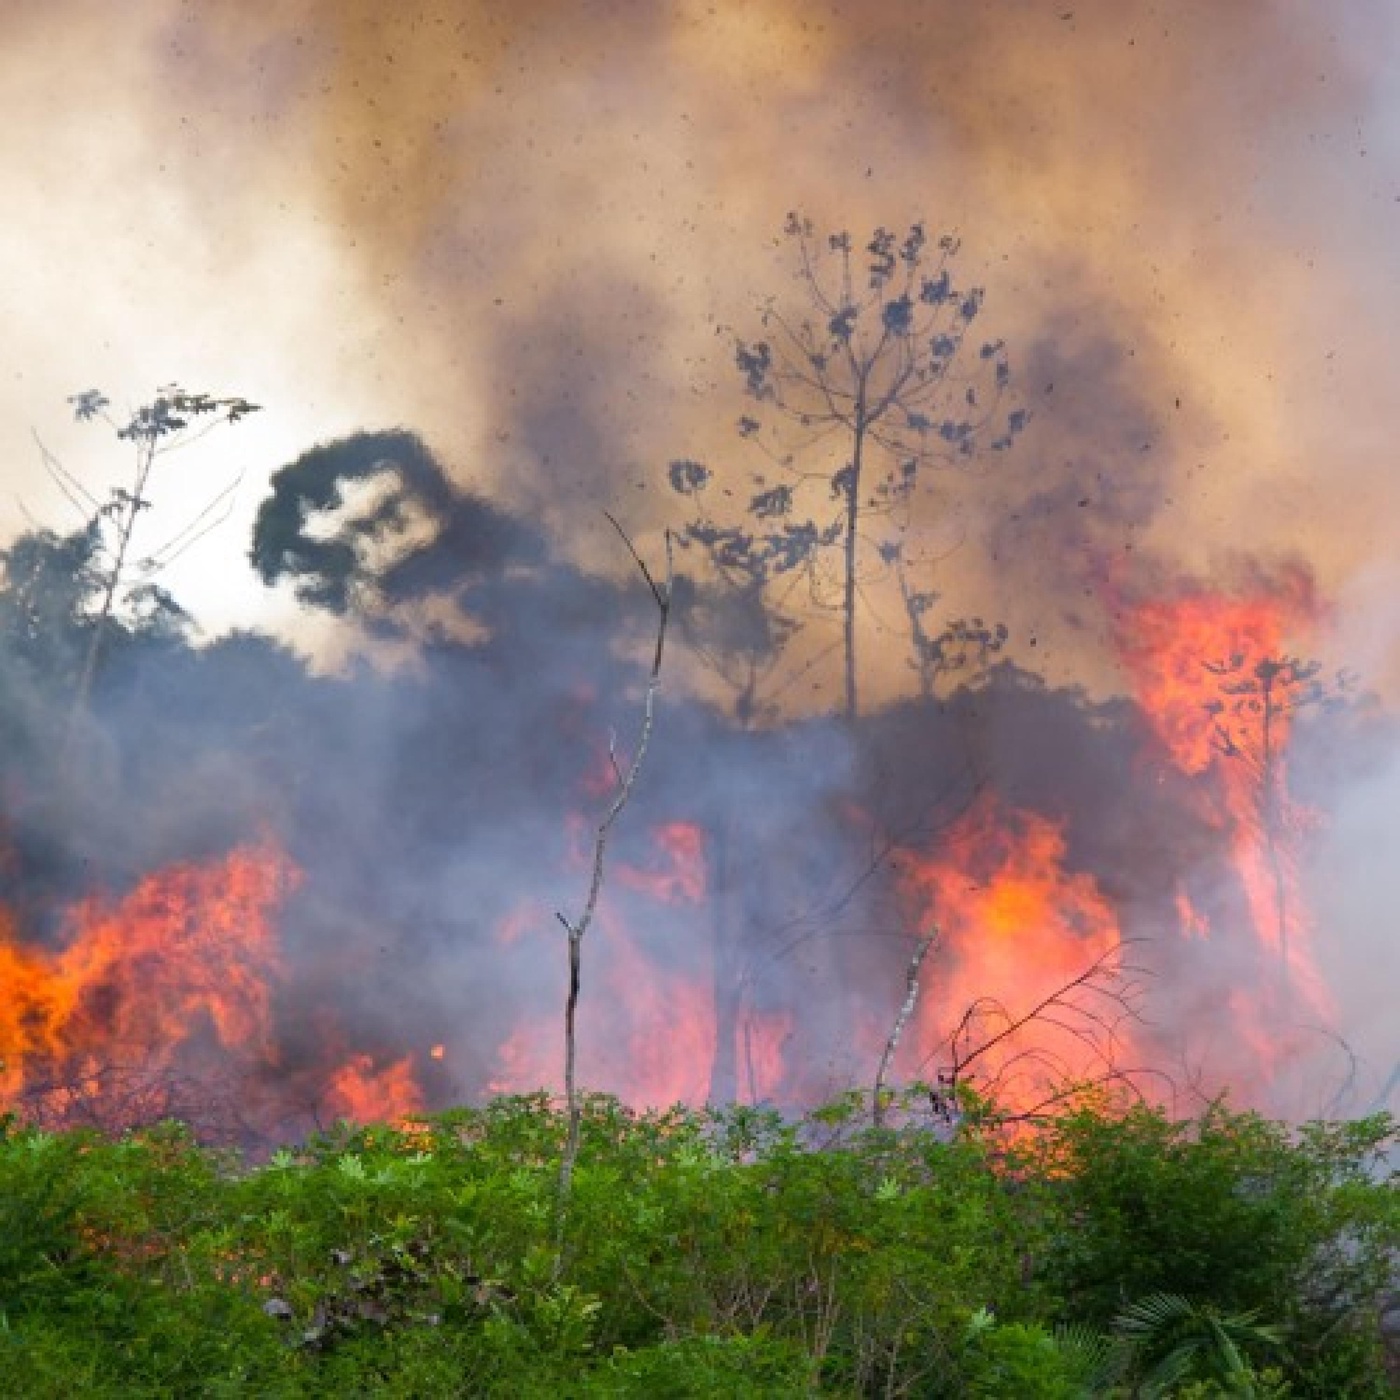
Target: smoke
(530,236)
(518,233)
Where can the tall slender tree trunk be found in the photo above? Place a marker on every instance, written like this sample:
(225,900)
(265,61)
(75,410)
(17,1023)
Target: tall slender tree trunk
(126,527)
(1272,817)
(848,604)
(93,655)
(727,977)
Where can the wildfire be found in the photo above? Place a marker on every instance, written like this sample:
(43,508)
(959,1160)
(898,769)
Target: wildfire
(161,1002)
(647,1022)
(764,1036)
(1213,677)
(1183,651)
(180,979)
(677,874)
(178,970)
(1016,927)
(359,1091)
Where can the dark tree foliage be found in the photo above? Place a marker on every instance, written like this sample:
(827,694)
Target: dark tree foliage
(47,586)
(410,534)
(963,647)
(51,593)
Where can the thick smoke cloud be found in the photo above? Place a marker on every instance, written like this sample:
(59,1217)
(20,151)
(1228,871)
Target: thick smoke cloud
(519,232)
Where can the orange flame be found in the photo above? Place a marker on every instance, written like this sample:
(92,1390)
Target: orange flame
(362,1093)
(177,970)
(1015,927)
(1169,647)
(1210,673)
(172,983)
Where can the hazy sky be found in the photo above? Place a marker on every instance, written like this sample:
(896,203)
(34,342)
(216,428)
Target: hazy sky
(518,229)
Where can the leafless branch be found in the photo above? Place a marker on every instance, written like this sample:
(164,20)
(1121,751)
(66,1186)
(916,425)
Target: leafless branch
(1090,1008)
(626,780)
(78,496)
(911,997)
(213,514)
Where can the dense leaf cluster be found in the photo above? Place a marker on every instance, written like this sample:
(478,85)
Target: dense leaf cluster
(702,1253)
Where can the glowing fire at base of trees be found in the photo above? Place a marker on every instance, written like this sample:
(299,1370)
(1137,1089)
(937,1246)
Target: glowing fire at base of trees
(162,1002)
(176,975)
(1019,929)
(182,991)
(178,980)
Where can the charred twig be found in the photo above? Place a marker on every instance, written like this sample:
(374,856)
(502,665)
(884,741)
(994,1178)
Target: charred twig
(1127,1078)
(1089,1008)
(625,781)
(911,997)
(1342,1096)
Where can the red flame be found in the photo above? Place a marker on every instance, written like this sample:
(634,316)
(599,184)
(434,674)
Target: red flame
(180,976)
(1014,928)
(179,968)
(677,875)
(1173,649)
(171,985)
(1211,674)
(363,1093)
(647,1021)
(763,1044)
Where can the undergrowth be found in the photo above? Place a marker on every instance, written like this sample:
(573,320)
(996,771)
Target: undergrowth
(732,1253)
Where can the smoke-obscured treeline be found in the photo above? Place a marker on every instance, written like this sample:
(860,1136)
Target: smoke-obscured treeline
(435,809)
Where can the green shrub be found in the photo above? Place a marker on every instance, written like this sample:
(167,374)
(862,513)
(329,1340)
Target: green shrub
(700,1253)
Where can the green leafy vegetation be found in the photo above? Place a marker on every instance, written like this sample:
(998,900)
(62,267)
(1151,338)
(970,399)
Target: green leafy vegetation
(703,1253)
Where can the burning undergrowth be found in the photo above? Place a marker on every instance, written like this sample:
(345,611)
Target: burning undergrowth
(262,898)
